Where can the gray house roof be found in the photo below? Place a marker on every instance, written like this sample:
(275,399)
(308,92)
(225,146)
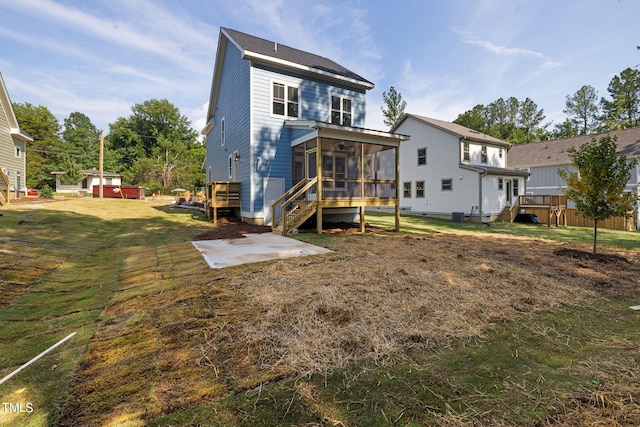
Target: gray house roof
(269,51)
(458,130)
(281,57)
(550,153)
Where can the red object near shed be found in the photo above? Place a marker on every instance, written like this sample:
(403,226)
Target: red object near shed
(119,191)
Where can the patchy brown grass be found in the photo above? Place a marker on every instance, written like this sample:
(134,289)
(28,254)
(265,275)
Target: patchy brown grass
(376,295)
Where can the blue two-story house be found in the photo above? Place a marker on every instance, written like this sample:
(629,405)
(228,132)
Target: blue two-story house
(288,126)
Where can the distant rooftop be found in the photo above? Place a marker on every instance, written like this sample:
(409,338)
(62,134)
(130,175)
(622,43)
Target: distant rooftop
(555,152)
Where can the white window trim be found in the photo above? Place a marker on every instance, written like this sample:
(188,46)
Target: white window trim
(230,166)
(484,154)
(442,184)
(286,100)
(410,189)
(466,149)
(426,158)
(424,190)
(18,152)
(223,132)
(342,97)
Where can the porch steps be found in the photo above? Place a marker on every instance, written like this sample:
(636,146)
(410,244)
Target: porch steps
(505,215)
(295,218)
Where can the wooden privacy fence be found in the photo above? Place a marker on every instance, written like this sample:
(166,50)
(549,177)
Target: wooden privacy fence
(575,218)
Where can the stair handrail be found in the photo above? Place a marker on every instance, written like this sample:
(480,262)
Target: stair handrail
(287,198)
(4,187)
(515,207)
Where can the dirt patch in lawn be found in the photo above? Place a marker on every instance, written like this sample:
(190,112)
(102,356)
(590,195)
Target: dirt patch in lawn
(231,228)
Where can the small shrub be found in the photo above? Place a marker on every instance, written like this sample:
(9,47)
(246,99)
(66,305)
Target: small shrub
(46,192)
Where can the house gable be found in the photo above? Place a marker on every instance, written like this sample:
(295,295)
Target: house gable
(254,144)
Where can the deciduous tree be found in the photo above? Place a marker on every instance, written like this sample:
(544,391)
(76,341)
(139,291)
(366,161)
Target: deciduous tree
(597,185)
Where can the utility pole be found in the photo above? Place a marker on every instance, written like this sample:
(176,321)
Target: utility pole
(101,162)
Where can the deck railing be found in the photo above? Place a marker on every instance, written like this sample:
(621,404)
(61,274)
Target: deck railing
(4,189)
(222,195)
(543,200)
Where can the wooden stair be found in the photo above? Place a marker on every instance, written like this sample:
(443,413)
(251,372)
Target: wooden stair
(294,207)
(5,198)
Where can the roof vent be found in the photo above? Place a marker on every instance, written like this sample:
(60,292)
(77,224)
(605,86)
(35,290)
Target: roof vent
(275,47)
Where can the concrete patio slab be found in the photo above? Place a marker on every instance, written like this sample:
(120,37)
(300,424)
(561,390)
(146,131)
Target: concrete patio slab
(253,248)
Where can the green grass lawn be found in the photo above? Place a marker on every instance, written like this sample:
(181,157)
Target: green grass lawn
(580,235)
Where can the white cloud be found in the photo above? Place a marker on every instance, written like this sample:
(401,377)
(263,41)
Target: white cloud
(498,50)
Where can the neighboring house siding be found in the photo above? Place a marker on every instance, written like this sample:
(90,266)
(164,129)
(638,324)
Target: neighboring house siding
(8,160)
(442,163)
(233,106)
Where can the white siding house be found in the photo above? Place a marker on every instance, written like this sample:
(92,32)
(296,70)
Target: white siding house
(446,168)
(13,151)
(91,179)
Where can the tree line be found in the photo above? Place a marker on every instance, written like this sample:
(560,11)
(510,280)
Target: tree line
(154,147)
(521,122)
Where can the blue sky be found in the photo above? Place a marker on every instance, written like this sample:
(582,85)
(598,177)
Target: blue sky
(100,57)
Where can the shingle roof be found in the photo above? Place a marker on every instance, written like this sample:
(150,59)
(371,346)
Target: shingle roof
(456,129)
(279,52)
(549,153)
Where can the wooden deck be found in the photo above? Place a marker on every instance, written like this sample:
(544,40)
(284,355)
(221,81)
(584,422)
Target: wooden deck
(554,208)
(309,198)
(222,195)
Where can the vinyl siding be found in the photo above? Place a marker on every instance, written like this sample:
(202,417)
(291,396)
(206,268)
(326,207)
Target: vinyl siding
(8,159)
(271,140)
(233,105)
(442,163)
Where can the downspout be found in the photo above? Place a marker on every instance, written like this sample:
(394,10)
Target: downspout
(481,175)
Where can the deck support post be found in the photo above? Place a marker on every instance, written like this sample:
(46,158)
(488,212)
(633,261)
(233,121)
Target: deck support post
(362,228)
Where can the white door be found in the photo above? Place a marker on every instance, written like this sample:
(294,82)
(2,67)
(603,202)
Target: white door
(273,188)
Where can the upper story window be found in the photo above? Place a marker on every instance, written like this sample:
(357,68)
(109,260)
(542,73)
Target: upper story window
(500,153)
(18,153)
(285,100)
(483,157)
(223,133)
(465,152)
(341,110)
(422,156)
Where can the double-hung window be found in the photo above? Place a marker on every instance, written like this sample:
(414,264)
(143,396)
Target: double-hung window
(420,189)
(341,110)
(223,133)
(484,158)
(465,152)
(422,156)
(285,100)
(407,189)
(447,184)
